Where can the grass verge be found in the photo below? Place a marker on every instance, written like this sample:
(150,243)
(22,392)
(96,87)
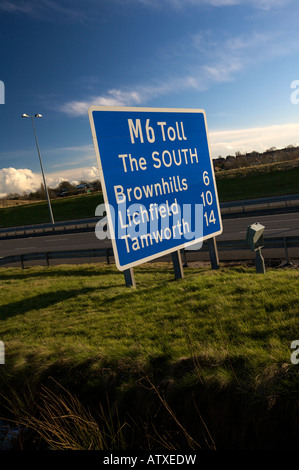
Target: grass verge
(208,355)
(259,181)
(69,208)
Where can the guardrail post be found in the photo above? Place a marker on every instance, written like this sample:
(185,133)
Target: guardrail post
(22,261)
(47,258)
(129,277)
(213,253)
(177,264)
(107,256)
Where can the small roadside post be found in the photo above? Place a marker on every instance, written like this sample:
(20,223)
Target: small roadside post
(259,261)
(255,240)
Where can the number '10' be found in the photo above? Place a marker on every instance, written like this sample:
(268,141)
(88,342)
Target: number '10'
(207,198)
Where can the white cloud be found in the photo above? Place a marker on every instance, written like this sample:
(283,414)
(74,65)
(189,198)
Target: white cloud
(69,157)
(52,10)
(13,7)
(259,139)
(74,176)
(213,3)
(111,98)
(208,61)
(21,181)
(43,9)
(35,7)
(268,4)
(260,4)
(222,72)
(135,97)
(14,180)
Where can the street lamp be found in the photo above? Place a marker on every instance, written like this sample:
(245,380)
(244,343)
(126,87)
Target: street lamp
(41,164)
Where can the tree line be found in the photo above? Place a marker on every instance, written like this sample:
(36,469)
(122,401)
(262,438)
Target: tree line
(64,188)
(243,160)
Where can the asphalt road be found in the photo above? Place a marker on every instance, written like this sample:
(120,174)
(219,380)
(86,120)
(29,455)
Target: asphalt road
(286,224)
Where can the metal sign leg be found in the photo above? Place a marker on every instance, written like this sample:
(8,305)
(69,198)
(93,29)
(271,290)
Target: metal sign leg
(129,277)
(213,253)
(177,264)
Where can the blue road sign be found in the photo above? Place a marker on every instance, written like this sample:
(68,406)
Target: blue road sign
(157,178)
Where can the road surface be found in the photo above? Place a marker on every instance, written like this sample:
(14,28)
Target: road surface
(286,224)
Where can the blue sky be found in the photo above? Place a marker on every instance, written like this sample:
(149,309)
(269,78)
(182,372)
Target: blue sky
(234,59)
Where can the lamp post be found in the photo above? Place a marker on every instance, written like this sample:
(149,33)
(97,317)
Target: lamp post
(40,160)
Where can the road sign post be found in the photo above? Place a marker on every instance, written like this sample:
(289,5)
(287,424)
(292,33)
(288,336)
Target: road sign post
(158,181)
(129,277)
(213,251)
(177,264)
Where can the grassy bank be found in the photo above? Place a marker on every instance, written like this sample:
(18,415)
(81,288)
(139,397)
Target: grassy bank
(259,181)
(69,208)
(206,357)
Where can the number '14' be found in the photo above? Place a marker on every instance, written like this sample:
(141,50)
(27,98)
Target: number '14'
(210,218)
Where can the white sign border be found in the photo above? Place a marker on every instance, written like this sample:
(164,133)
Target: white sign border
(91,109)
